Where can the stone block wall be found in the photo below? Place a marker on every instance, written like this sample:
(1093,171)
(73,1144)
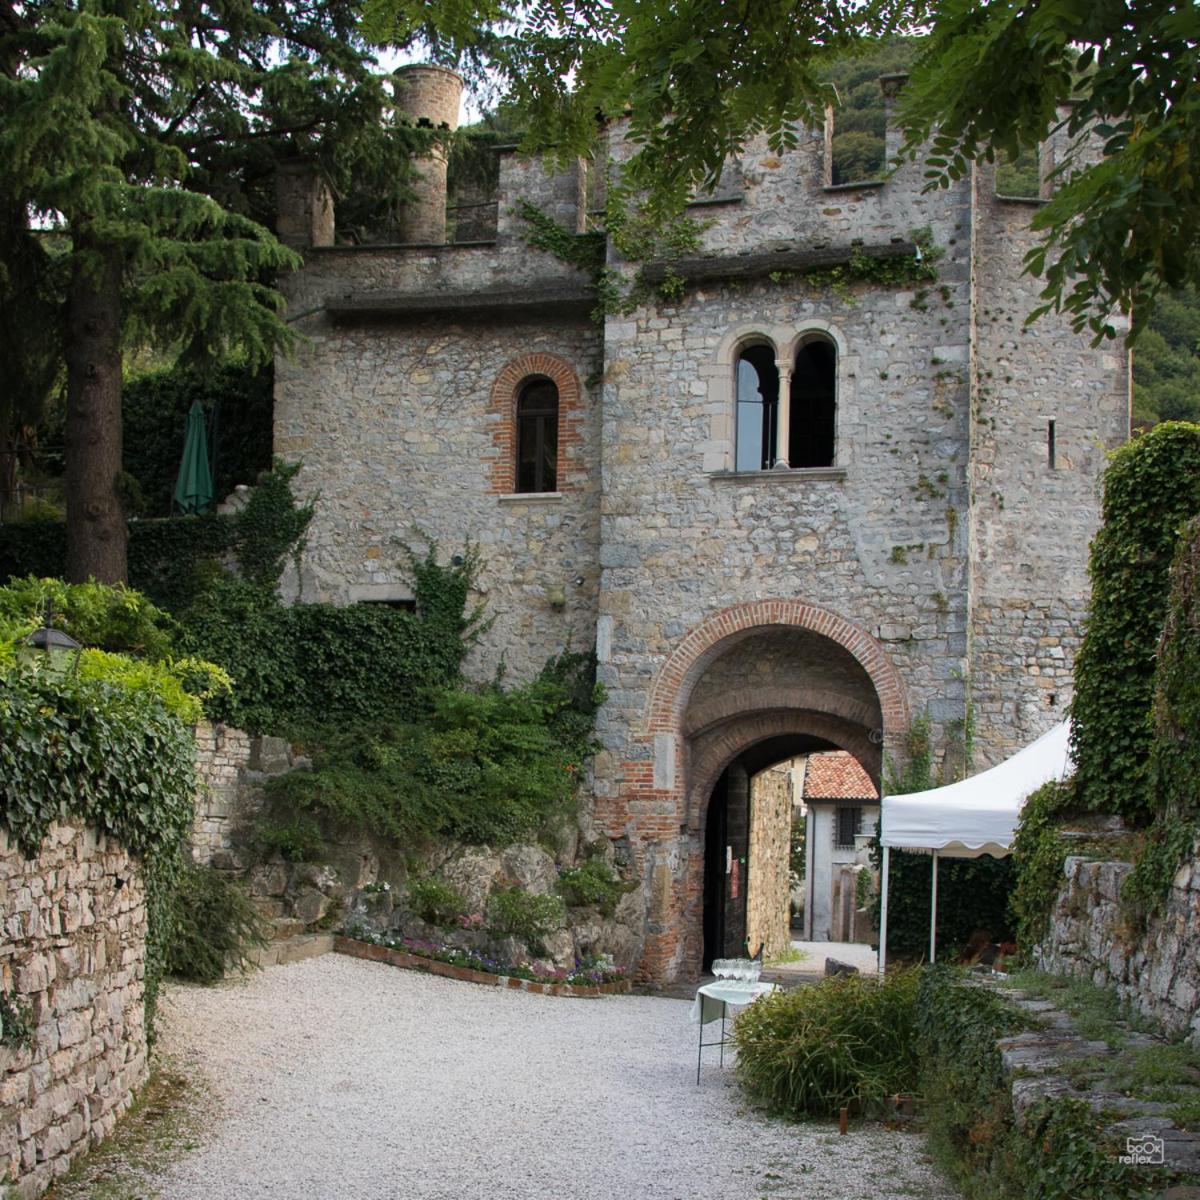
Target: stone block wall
(768,912)
(73,951)
(1157,972)
(222,755)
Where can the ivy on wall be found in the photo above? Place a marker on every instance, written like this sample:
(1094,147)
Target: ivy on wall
(1174,766)
(113,756)
(1151,489)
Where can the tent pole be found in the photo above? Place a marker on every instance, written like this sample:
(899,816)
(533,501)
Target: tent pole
(883,909)
(933,914)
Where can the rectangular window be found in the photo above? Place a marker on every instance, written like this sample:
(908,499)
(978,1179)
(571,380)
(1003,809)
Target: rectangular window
(847,827)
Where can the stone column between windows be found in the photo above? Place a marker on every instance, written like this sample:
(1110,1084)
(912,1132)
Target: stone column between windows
(783,410)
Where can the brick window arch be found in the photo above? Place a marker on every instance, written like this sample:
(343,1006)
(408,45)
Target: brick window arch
(519,378)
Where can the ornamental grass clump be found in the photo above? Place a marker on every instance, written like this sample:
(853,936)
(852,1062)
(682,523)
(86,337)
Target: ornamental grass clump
(842,1043)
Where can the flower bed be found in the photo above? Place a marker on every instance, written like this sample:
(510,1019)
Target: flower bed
(587,980)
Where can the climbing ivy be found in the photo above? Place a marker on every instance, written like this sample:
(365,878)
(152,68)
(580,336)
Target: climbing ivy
(1038,853)
(112,756)
(1174,764)
(296,667)
(1151,488)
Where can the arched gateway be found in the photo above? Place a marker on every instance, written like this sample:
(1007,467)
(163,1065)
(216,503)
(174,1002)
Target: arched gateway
(753,685)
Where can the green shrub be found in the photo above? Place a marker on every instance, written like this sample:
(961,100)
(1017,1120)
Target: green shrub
(593,882)
(1175,752)
(435,901)
(530,918)
(298,839)
(1062,1150)
(487,765)
(1151,489)
(104,616)
(214,926)
(1038,853)
(297,668)
(844,1042)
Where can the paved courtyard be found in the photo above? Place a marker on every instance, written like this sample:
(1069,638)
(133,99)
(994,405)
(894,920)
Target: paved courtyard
(337,1079)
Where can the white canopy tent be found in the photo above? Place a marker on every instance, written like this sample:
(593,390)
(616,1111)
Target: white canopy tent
(966,819)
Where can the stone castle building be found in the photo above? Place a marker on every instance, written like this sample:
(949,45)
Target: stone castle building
(792,509)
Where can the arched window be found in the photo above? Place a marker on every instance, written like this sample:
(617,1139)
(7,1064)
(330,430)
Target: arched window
(757,409)
(537,437)
(813,404)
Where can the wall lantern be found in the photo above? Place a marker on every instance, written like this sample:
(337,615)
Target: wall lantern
(50,648)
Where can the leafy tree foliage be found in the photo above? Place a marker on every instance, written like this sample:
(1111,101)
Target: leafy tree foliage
(147,134)
(995,78)
(859,117)
(1166,366)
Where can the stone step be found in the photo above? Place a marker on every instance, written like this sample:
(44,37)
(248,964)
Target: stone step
(286,927)
(293,949)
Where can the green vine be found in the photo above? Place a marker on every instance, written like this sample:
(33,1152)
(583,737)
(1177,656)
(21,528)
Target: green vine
(111,756)
(1175,754)
(1039,851)
(1151,488)
(638,238)
(16,1022)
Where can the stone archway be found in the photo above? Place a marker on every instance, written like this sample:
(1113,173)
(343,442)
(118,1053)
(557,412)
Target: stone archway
(769,672)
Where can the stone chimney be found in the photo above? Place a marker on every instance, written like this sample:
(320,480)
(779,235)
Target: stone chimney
(303,206)
(427,97)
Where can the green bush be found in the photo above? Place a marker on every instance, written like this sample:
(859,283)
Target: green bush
(1151,489)
(593,882)
(155,407)
(215,926)
(844,1042)
(486,765)
(435,901)
(1038,854)
(108,617)
(307,666)
(530,918)
(298,839)
(1062,1149)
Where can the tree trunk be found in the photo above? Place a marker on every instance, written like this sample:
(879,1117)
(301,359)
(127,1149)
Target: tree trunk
(96,530)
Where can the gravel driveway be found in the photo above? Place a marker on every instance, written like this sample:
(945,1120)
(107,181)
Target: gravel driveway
(338,1079)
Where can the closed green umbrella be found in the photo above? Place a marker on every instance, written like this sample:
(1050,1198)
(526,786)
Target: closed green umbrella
(194,486)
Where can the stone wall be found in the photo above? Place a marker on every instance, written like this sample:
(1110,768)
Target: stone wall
(73,951)
(768,911)
(1158,971)
(222,754)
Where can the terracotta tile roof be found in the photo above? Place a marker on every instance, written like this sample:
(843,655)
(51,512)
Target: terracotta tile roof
(837,776)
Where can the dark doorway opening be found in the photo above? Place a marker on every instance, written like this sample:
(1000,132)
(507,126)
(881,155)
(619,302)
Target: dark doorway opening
(727,843)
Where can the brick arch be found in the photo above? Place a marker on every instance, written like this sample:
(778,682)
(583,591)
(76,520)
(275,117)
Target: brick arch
(712,752)
(685,665)
(740,701)
(502,412)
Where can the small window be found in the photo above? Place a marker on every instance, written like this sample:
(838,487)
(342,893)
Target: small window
(757,409)
(849,824)
(813,405)
(537,437)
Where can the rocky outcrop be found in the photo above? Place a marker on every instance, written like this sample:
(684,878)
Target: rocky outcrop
(1157,970)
